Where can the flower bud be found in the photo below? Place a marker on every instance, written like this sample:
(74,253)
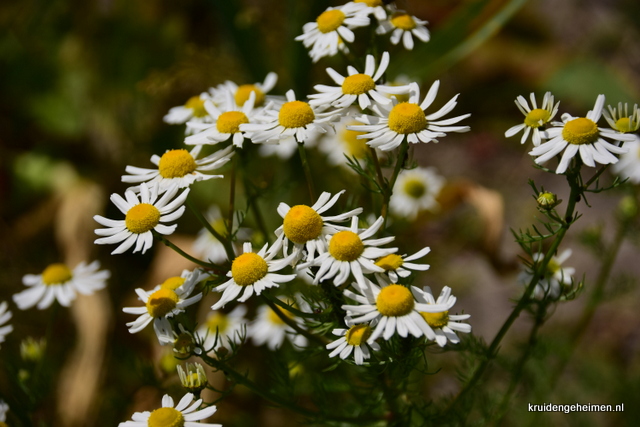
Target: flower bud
(547,201)
(32,350)
(194,379)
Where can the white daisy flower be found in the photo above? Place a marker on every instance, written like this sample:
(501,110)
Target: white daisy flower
(306,228)
(333,28)
(415,191)
(581,134)
(556,277)
(443,324)
(268,328)
(221,328)
(408,120)
(343,143)
(182,415)
(629,165)
(294,119)
(396,266)
(5,316)
(535,119)
(623,122)
(58,282)
(376,8)
(192,110)
(404,26)
(163,303)
(251,273)
(4,408)
(351,251)
(391,308)
(143,213)
(357,86)
(242,93)
(353,340)
(178,167)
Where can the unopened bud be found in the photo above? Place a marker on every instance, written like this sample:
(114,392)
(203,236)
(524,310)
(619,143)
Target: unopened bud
(194,379)
(548,201)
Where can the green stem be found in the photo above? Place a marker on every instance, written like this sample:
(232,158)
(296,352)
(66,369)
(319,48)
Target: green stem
(307,171)
(293,324)
(206,224)
(206,265)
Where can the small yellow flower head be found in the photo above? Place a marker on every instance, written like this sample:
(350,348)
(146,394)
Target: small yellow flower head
(302,224)
(395,300)
(406,118)
(32,350)
(162,302)
(56,274)
(580,131)
(390,262)
(193,377)
(196,104)
(184,344)
(166,417)
(358,334)
(176,164)
(248,268)
(548,200)
(346,246)
(142,218)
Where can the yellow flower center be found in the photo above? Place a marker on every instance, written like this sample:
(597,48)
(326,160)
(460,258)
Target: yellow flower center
(357,84)
(248,268)
(346,246)
(536,118)
(358,334)
(390,262)
(295,114)
(161,302)
(414,188)
(275,319)
(302,224)
(580,131)
(354,146)
(244,92)
(166,417)
(219,321)
(370,3)
(197,105)
(176,164)
(56,274)
(407,118)
(330,20)
(553,267)
(142,218)
(395,300)
(173,283)
(623,124)
(230,121)
(404,21)
(436,320)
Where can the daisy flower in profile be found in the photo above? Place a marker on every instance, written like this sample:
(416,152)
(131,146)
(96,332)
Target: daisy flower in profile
(404,26)
(184,414)
(192,110)
(396,266)
(357,86)
(353,340)
(443,324)
(163,303)
(556,277)
(306,228)
(623,122)
(376,7)
(392,308)
(351,251)
(535,119)
(333,28)
(268,328)
(251,273)
(58,282)
(415,191)
(5,316)
(221,328)
(581,134)
(179,167)
(242,93)
(143,213)
(408,120)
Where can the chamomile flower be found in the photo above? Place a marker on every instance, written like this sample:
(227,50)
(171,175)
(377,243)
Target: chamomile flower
(59,282)
(357,86)
(351,251)
(376,7)
(306,228)
(294,120)
(143,213)
(621,121)
(184,414)
(408,120)
(581,135)
(443,324)
(193,377)
(535,119)
(392,308)
(183,341)
(242,93)
(251,273)
(162,304)
(179,167)
(220,328)
(333,28)
(5,316)
(396,266)
(353,340)
(268,328)
(556,278)
(192,110)
(415,191)
(404,26)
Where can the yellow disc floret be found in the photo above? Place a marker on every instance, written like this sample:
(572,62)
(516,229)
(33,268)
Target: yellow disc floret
(436,320)
(302,224)
(404,21)
(346,246)
(414,188)
(358,334)
(142,218)
(624,124)
(230,121)
(295,114)
(395,300)
(176,164)
(162,302)
(536,118)
(407,118)
(173,283)
(244,92)
(580,131)
(390,262)
(248,268)
(56,274)
(197,105)
(166,417)
(330,20)
(354,146)
(357,84)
